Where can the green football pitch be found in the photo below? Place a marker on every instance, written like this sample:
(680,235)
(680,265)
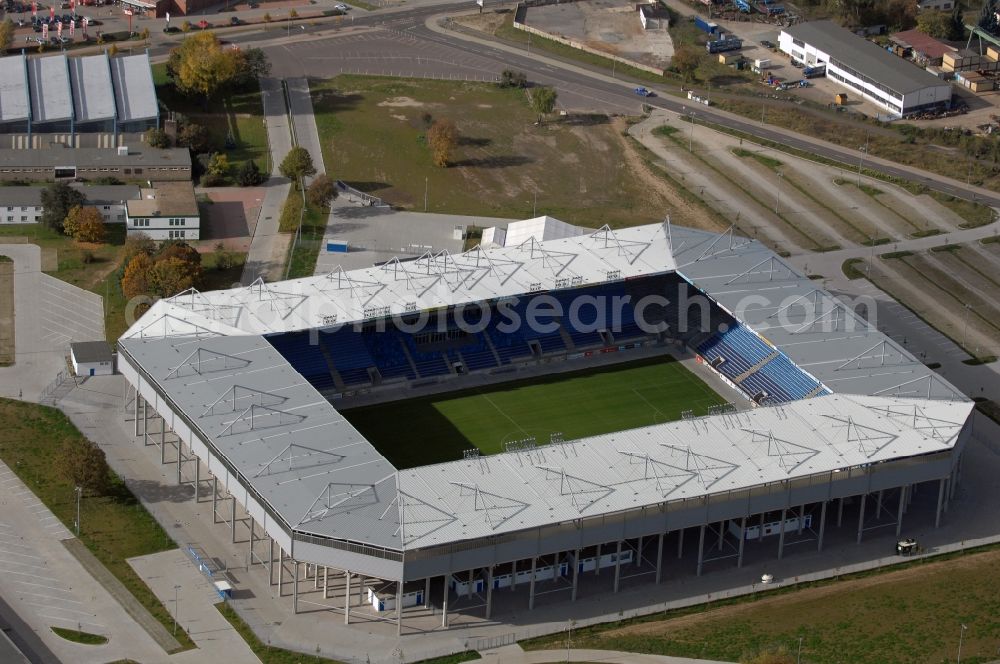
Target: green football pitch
(427,430)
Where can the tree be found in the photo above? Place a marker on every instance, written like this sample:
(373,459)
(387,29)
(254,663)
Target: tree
(84,224)
(939,25)
(685,61)
(170,276)
(84,464)
(253,66)
(442,138)
(218,165)
(57,200)
(322,190)
(292,13)
(194,137)
(113,50)
(135,244)
(250,175)
(203,66)
(513,79)
(157,138)
(144,35)
(267,17)
(543,101)
(297,164)
(135,280)
(186,26)
(6,33)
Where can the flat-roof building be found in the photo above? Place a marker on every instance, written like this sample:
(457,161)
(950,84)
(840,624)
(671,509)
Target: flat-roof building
(890,82)
(88,101)
(123,163)
(166,211)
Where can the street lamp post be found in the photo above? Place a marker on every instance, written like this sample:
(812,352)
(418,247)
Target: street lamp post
(861,160)
(79,492)
(176,608)
(961,636)
(965,325)
(691,135)
(798,657)
(777,192)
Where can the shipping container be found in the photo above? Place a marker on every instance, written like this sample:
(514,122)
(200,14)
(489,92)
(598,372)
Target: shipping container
(705,26)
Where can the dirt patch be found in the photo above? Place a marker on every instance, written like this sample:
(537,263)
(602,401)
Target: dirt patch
(401,102)
(691,214)
(6,311)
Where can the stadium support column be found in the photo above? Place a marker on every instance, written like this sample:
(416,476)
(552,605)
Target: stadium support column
(250,563)
(399,607)
(722,525)
(701,548)
(781,533)
(468,590)
(618,565)
(270,561)
(743,539)
(937,516)
(861,516)
(347,597)
(531,584)
(900,510)
(215,499)
(135,415)
(513,576)
(576,574)
(295,586)
(947,484)
(802,518)
(680,545)
(180,458)
(489,591)
(444,604)
(281,571)
(326,582)
(659,557)
(760,531)
(822,526)
(163,441)
(905,497)
(232,520)
(197,477)
(427,593)
(638,553)
(840,512)
(597,561)
(878,504)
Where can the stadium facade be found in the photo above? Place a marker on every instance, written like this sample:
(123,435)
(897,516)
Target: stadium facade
(247,380)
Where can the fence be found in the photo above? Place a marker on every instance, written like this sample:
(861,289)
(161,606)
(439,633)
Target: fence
(367,199)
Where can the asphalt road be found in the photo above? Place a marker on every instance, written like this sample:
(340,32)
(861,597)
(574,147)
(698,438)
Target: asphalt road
(577,83)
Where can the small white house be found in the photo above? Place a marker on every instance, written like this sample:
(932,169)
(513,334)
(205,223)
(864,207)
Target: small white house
(23,205)
(383,598)
(166,211)
(92,358)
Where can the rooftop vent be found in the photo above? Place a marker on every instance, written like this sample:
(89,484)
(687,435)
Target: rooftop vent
(123,151)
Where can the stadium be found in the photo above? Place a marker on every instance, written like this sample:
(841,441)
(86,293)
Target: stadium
(429,431)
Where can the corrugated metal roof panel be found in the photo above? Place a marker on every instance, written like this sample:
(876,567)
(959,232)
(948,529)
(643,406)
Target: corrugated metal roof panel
(93,96)
(14,103)
(135,94)
(48,81)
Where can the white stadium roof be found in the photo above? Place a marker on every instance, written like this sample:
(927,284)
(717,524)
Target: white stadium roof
(203,352)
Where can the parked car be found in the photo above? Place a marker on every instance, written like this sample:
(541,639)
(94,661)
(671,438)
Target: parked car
(341,7)
(767,44)
(171,29)
(235,20)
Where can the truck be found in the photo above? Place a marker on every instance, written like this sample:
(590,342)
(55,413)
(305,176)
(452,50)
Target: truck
(705,26)
(724,44)
(760,64)
(814,71)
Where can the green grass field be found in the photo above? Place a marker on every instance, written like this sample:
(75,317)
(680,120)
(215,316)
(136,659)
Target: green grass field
(438,428)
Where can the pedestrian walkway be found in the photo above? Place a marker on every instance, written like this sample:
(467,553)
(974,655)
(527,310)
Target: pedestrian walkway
(267,248)
(193,605)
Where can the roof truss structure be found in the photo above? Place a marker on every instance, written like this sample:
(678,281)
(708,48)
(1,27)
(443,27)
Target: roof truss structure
(201,361)
(708,470)
(583,493)
(496,509)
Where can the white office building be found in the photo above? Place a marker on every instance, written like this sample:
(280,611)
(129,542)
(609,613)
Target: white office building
(166,211)
(890,82)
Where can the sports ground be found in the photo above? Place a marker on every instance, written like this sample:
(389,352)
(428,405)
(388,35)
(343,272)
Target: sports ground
(440,427)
